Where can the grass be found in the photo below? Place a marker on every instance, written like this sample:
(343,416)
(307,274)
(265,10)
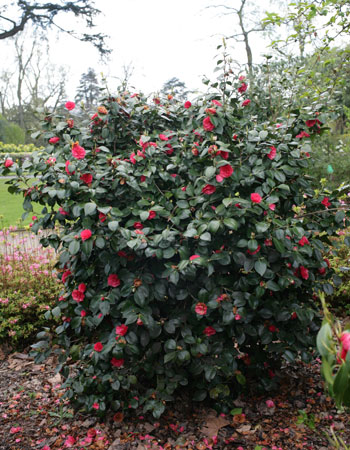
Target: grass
(11,209)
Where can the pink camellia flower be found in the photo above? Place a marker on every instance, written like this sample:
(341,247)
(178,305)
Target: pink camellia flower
(238,317)
(121,330)
(96,406)
(86,178)
(243,87)
(255,197)
(69,442)
(345,341)
(85,235)
(78,296)
(98,347)
(117,362)
(54,140)
(187,105)
(70,106)
(113,280)
(207,124)
(209,331)
(208,189)
(246,102)
(216,103)
(304,272)
(201,308)
(138,225)
(67,170)
(65,275)
(162,137)
(304,241)
(302,134)
(152,215)
(46,447)
(8,162)
(210,111)
(325,202)
(82,313)
(193,257)
(78,152)
(278,125)
(272,154)
(270,404)
(272,206)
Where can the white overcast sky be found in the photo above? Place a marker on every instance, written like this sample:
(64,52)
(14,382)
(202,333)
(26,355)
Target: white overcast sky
(160,39)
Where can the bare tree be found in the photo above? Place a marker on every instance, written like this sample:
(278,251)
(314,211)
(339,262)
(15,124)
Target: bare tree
(17,15)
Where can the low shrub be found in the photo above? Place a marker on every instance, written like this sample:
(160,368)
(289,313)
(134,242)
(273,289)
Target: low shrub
(192,245)
(18,148)
(28,288)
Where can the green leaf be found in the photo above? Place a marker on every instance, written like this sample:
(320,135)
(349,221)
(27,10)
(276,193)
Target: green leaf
(213,226)
(260,267)
(232,224)
(74,247)
(261,227)
(89,209)
(113,225)
(205,237)
(56,312)
(324,340)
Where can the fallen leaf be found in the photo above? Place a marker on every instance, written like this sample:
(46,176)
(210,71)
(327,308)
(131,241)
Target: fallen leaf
(213,424)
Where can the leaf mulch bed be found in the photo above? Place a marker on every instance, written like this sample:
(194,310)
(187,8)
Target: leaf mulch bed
(33,415)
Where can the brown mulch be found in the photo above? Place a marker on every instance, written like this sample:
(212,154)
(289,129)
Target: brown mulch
(33,415)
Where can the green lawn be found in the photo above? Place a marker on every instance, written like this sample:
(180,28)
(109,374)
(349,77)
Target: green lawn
(11,209)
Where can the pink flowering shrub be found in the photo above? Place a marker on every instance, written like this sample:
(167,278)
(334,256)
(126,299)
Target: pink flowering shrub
(192,254)
(28,288)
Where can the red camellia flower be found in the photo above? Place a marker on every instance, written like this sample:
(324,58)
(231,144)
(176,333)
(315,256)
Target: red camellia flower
(142,178)
(117,362)
(210,111)
(207,124)
(152,215)
(304,241)
(98,347)
(162,137)
(193,257)
(223,154)
(54,140)
(310,123)
(102,110)
(226,171)
(304,272)
(302,134)
(70,123)
(102,217)
(243,87)
(70,106)
(255,251)
(138,225)
(272,154)
(78,152)
(187,105)
(201,309)
(246,102)
(322,270)
(209,331)
(121,330)
(65,275)
(82,313)
(85,234)
(255,197)
(78,296)
(86,178)
(272,328)
(67,170)
(216,103)
(8,162)
(113,280)
(268,242)
(272,206)
(82,287)
(325,202)
(208,189)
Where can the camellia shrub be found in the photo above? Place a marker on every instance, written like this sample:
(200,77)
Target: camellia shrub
(191,248)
